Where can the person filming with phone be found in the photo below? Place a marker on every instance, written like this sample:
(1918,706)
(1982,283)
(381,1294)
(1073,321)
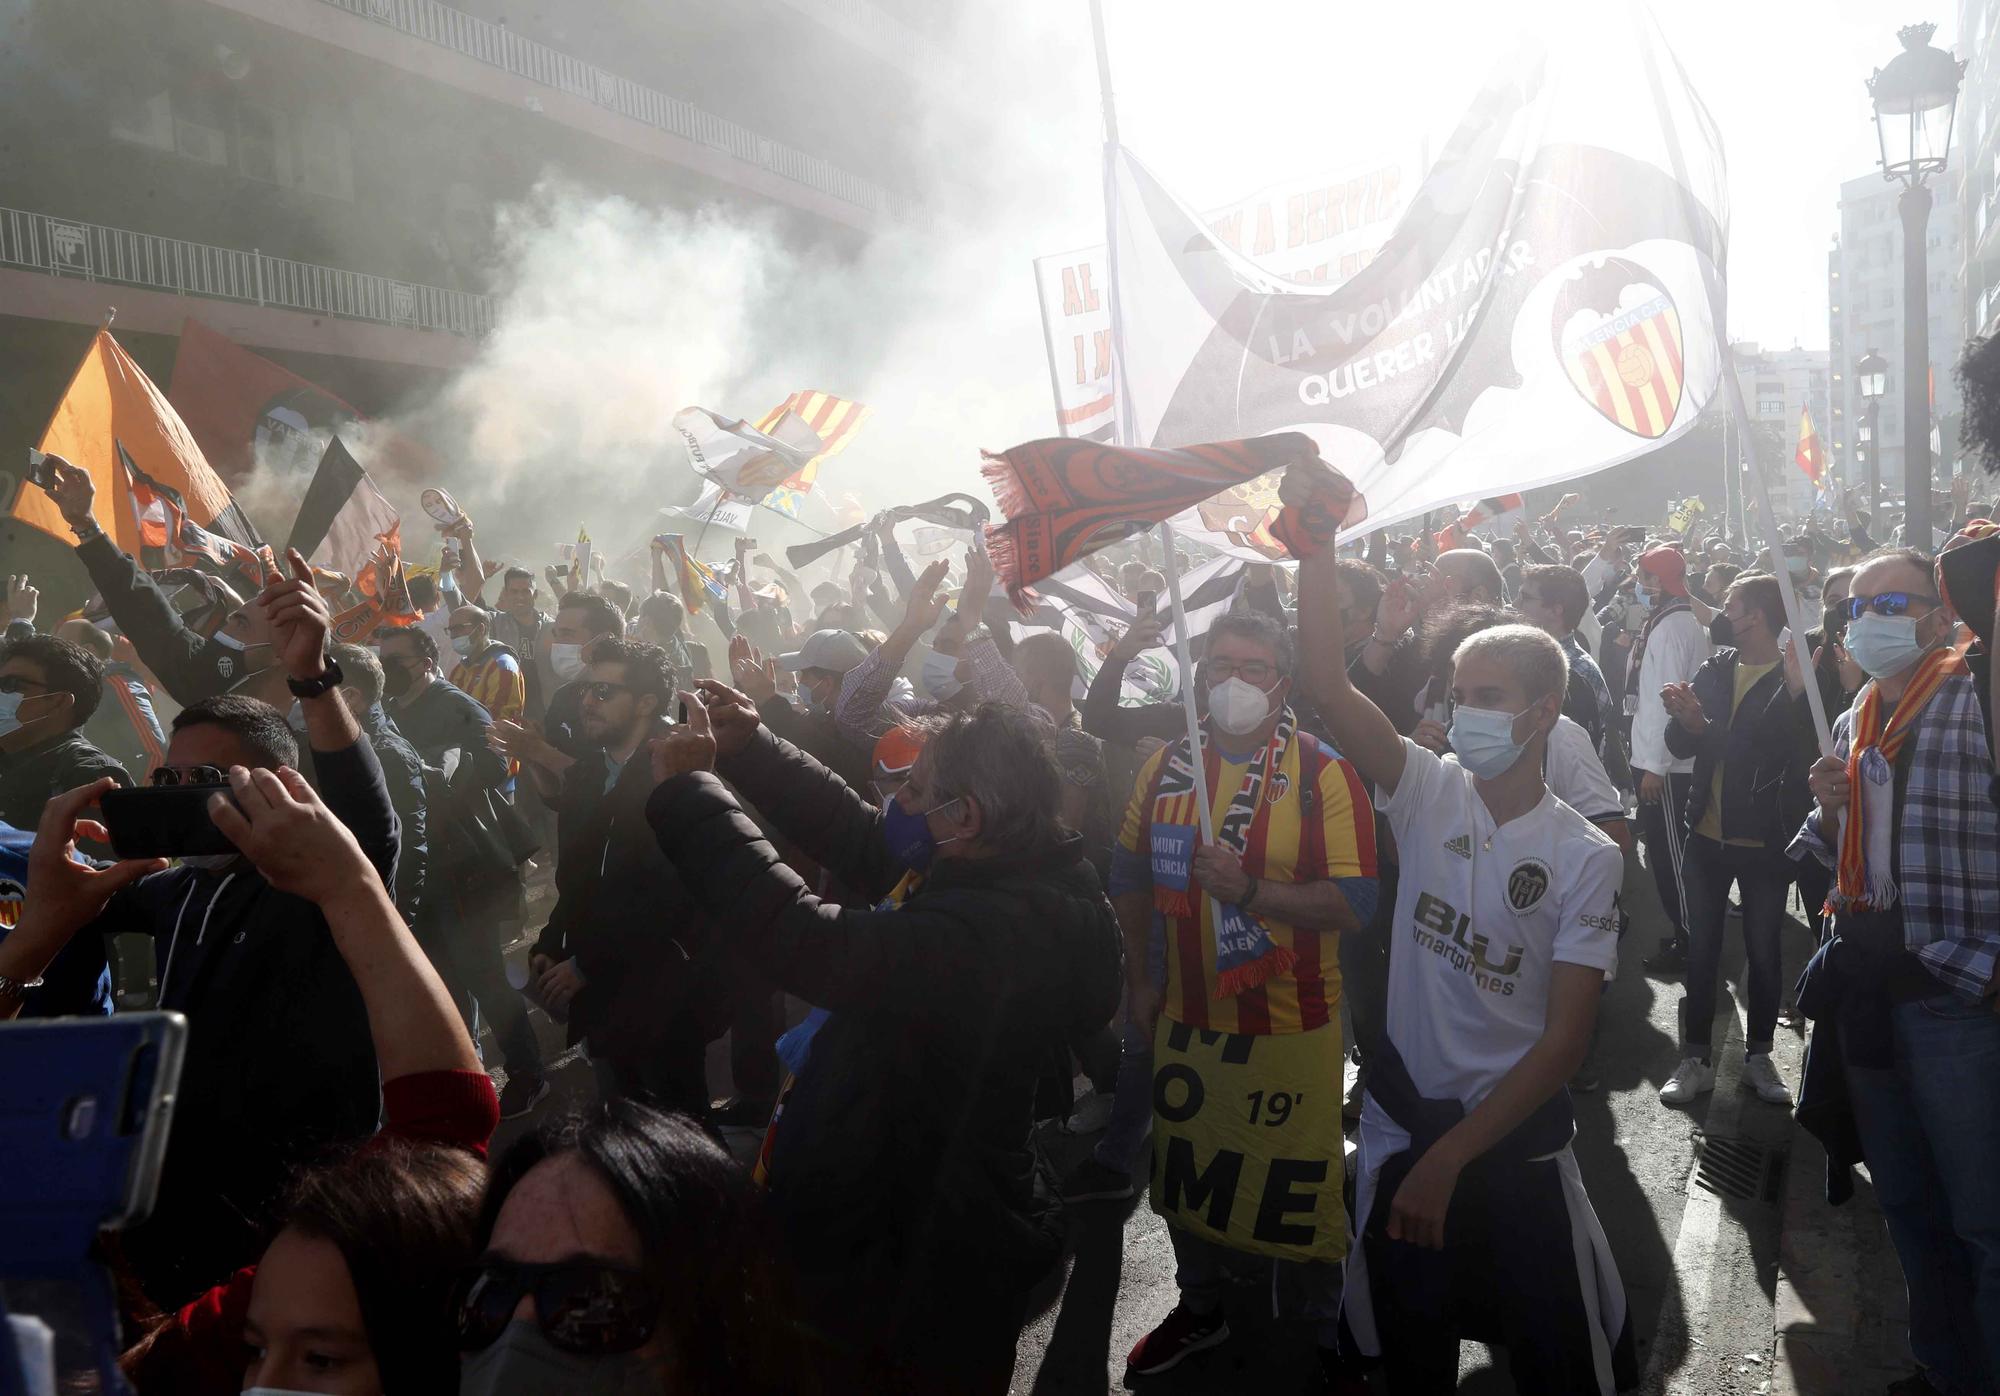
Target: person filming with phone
(279,1061)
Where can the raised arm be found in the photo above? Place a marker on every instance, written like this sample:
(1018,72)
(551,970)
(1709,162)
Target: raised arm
(190,666)
(301,848)
(471,567)
(1359,729)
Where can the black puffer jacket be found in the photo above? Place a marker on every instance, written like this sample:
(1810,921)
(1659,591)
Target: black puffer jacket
(902,1174)
(1765,745)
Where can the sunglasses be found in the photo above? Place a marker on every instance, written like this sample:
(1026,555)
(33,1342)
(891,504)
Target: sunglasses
(581,1306)
(603,690)
(1884,603)
(189,775)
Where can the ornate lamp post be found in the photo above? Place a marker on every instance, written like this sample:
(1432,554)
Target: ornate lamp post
(1916,99)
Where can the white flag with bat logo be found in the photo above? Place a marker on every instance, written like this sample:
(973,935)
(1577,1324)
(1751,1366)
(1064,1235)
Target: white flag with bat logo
(1551,304)
(740,458)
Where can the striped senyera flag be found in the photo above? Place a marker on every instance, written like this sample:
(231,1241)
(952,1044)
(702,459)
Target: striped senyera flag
(834,418)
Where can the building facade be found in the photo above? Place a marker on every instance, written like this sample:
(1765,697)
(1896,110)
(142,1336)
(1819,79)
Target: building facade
(1865,315)
(1778,384)
(319,179)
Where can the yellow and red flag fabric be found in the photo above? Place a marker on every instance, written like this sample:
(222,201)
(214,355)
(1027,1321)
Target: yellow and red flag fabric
(1809,457)
(110,403)
(834,419)
(698,581)
(1065,498)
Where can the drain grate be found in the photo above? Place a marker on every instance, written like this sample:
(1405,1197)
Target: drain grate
(1740,1168)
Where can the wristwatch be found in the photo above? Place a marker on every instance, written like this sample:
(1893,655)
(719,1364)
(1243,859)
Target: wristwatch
(330,678)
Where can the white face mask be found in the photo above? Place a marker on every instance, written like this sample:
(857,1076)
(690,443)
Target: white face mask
(1237,706)
(941,676)
(461,645)
(566,660)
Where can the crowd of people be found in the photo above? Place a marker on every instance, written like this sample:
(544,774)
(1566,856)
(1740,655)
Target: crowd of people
(924,866)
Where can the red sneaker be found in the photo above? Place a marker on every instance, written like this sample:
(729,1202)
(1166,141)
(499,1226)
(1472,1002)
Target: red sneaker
(1180,1334)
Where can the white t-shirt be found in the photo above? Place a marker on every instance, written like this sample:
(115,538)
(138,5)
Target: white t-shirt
(1576,773)
(1482,915)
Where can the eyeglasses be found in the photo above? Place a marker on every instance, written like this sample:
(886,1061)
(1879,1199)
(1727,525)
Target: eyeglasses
(1251,671)
(21,683)
(603,690)
(1883,603)
(580,1305)
(189,775)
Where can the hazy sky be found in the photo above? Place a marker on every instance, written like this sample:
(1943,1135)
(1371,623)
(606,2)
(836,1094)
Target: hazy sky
(1221,99)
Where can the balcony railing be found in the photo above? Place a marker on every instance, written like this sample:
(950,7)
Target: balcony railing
(502,48)
(93,252)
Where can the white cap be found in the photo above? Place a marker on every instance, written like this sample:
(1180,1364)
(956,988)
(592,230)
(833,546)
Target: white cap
(834,650)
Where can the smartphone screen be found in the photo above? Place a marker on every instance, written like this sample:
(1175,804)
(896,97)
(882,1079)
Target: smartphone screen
(165,821)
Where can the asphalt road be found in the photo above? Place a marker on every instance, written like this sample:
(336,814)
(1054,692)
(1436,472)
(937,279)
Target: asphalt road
(1699,1264)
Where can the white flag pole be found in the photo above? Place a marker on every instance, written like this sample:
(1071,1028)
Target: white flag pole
(1768,519)
(1121,430)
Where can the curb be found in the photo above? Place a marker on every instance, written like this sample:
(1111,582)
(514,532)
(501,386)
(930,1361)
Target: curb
(1841,1310)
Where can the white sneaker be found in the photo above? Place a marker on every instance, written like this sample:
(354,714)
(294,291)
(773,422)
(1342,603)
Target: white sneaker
(1693,1077)
(1761,1076)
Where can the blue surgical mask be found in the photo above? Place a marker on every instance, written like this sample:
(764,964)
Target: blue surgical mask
(1883,645)
(941,676)
(1643,597)
(10,713)
(908,834)
(462,646)
(1483,740)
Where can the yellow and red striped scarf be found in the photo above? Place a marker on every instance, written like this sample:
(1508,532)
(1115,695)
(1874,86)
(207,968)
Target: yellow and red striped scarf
(1865,882)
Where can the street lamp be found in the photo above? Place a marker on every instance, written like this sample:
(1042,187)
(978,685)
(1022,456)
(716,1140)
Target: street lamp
(1871,377)
(1916,99)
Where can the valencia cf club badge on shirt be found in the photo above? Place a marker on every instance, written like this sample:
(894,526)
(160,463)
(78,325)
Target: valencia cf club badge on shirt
(1528,884)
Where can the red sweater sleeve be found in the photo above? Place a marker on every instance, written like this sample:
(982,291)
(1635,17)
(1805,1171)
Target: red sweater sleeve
(441,1107)
(199,1351)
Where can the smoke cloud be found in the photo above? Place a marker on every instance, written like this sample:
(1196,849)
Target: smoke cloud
(614,315)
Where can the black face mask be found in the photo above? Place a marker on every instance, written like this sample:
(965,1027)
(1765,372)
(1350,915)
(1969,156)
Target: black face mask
(1722,631)
(396,680)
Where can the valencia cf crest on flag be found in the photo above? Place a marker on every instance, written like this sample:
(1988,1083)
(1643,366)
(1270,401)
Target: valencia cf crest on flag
(1619,337)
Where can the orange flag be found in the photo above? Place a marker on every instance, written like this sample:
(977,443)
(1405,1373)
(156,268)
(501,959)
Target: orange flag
(110,403)
(1809,457)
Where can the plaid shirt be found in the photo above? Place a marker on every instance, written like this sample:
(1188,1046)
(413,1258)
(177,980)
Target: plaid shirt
(1949,849)
(870,702)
